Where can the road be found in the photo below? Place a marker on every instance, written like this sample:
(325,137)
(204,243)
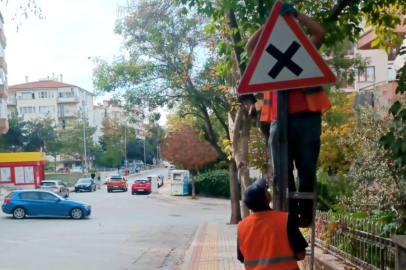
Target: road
(124,232)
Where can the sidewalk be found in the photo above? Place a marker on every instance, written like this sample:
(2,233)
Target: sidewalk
(214,248)
(164,193)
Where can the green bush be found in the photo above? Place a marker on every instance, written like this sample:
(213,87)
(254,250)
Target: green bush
(213,183)
(330,189)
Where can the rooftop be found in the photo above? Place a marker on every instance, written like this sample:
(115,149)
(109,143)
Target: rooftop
(43,84)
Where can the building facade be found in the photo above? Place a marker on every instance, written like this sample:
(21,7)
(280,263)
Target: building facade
(379,73)
(3,81)
(50,96)
(110,108)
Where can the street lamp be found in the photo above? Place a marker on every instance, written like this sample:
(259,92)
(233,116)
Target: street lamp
(125,142)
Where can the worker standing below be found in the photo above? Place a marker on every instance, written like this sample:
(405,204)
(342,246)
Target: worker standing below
(268,239)
(304,124)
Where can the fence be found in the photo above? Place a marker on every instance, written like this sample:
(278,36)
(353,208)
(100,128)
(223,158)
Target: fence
(364,244)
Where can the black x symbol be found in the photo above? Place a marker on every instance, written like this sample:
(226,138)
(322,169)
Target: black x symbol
(284,60)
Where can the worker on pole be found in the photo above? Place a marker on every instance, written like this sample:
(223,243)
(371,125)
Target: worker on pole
(268,239)
(304,124)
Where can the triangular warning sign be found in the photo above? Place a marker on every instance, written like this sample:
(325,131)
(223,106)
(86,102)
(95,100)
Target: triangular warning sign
(284,58)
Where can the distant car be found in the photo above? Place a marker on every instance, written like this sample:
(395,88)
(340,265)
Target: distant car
(56,186)
(85,184)
(117,183)
(64,169)
(141,186)
(171,167)
(77,169)
(108,177)
(159,180)
(22,203)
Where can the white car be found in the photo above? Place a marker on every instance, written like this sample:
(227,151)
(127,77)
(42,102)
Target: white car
(56,186)
(77,169)
(159,180)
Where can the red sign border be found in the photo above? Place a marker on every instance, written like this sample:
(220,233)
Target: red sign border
(328,78)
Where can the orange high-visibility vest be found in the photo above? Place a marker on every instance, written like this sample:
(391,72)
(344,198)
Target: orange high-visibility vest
(300,100)
(264,242)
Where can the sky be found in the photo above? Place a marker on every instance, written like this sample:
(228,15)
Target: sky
(72,31)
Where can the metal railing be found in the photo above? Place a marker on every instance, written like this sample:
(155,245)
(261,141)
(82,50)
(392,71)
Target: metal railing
(365,244)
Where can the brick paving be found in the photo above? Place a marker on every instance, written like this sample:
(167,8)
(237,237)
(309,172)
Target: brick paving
(215,248)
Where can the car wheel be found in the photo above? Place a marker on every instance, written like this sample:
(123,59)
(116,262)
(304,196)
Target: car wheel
(76,213)
(19,213)
(67,194)
(76,190)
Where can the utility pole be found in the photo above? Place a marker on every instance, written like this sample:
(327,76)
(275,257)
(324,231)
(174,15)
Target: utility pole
(145,158)
(125,144)
(84,138)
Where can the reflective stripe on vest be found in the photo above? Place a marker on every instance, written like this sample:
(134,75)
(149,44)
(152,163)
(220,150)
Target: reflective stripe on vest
(269,261)
(264,242)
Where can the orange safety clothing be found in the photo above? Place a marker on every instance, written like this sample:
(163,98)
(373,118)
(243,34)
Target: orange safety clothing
(300,100)
(264,242)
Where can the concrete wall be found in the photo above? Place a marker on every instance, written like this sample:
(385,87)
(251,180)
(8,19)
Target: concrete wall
(69,178)
(377,59)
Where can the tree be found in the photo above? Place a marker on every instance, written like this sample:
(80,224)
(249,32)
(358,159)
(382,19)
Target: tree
(184,148)
(164,67)
(335,156)
(30,6)
(14,139)
(72,138)
(41,132)
(175,122)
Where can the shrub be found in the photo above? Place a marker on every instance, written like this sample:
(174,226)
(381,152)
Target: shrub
(213,183)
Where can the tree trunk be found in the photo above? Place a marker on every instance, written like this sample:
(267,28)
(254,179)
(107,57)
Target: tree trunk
(193,186)
(234,193)
(244,170)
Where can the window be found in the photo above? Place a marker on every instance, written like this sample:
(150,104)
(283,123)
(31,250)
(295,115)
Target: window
(24,175)
(368,75)
(27,95)
(30,196)
(391,73)
(46,94)
(27,110)
(5,174)
(48,196)
(46,109)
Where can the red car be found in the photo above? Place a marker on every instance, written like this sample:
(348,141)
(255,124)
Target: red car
(64,169)
(141,186)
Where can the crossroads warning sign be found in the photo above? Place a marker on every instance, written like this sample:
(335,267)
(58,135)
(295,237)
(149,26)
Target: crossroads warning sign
(284,58)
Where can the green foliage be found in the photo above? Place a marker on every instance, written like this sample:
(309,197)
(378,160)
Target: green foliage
(213,183)
(15,138)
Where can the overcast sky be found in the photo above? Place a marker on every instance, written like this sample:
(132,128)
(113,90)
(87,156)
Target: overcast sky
(72,31)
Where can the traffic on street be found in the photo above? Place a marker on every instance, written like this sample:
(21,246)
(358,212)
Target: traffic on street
(123,231)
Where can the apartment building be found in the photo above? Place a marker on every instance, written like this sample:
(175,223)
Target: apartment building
(379,74)
(51,95)
(3,81)
(110,108)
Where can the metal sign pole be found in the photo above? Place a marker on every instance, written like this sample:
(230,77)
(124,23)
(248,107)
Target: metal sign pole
(280,200)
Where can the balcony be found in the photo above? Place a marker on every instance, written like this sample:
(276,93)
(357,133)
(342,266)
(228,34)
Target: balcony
(67,100)
(66,114)
(3,39)
(364,42)
(3,92)
(3,64)
(11,102)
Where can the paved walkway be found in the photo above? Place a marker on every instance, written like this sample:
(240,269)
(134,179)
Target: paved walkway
(214,248)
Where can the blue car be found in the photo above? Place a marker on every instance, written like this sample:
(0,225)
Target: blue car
(24,203)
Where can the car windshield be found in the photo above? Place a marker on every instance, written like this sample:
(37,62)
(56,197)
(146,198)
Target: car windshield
(116,178)
(47,184)
(114,175)
(56,195)
(141,181)
(84,180)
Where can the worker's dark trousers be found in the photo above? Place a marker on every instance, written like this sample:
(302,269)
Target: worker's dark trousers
(304,130)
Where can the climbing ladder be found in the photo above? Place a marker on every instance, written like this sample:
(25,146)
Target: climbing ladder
(283,195)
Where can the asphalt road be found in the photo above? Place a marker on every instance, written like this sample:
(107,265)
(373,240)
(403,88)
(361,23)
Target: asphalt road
(124,232)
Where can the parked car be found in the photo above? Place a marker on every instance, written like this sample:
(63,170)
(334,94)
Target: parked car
(161,176)
(77,169)
(85,184)
(141,186)
(171,167)
(108,177)
(22,203)
(159,180)
(63,169)
(117,182)
(56,186)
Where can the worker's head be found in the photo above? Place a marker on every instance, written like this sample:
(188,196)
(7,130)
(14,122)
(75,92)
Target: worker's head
(257,197)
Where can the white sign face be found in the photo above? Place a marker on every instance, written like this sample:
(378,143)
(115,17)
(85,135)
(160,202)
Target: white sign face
(19,174)
(283,43)
(5,174)
(29,174)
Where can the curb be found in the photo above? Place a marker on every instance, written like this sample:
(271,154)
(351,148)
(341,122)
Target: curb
(195,248)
